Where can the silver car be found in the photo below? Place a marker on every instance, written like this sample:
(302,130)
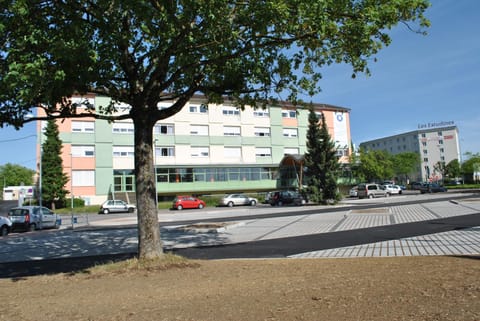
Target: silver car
(116,206)
(237,199)
(371,190)
(5,226)
(30,218)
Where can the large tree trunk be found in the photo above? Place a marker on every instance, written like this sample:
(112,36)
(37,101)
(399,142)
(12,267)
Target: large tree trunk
(149,242)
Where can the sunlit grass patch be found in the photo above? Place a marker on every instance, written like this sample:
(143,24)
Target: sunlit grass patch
(166,262)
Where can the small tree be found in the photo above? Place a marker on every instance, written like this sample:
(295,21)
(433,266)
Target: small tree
(405,163)
(376,165)
(53,182)
(321,161)
(453,169)
(313,166)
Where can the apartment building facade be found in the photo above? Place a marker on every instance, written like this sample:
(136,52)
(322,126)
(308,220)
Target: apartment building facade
(200,150)
(433,143)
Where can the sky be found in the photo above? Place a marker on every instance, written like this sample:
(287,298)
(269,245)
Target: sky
(416,80)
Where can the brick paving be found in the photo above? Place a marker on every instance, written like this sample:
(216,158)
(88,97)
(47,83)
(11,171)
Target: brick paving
(458,242)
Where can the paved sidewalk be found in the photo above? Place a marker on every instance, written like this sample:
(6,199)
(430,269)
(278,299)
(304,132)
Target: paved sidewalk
(457,242)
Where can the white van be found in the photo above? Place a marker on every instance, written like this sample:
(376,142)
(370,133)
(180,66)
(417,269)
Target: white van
(371,190)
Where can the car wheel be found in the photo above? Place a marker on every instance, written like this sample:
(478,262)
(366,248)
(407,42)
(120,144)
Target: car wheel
(131,210)
(106,211)
(3,231)
(31,227)
(179,207)
(230,204)
(370,196)
(280,203)
(200,206)
(387,194)
(400,192)
(253,203)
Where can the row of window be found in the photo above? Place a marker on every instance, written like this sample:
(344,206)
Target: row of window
(169,151)
(169,129)
(124,180)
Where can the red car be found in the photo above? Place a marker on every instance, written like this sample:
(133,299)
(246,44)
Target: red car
(181,202)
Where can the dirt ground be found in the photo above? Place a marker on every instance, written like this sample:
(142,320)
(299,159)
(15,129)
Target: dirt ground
(386,289)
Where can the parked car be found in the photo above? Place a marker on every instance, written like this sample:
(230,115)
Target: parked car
(30,218)
(432,188)
(181,202)
(268,197)
(237,199)
(5,225)
(392,189)
(353,191)
(371,190)
(416,186)
(116,206)
(287,197)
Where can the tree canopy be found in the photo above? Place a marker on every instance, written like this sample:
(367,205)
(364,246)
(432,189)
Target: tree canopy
(145,52)
(15,175)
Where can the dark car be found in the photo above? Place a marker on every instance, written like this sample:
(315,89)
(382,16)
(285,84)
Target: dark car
(280,198)
(432,188)
(416,186)
(181,202)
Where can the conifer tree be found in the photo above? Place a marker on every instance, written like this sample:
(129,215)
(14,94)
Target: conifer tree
(320,161)
(53,178)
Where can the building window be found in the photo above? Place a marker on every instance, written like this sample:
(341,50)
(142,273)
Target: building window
(83,126)
(198,109)
(442,158)
(230,111)
(261,113)
(231,131)
(442,150)
(423,135)
(440,141)
(424,144)
(263,152)
(290,132)
(83,151)
(124,180)
(232,152)
(440,134)
(164,151)
(83,178)
(199,152)
(262,131)
(164,129)
(291,151)
(199,130)
(425,152)
(161,106)
(123,151)
(425,159)
(122,128)
(289,113)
